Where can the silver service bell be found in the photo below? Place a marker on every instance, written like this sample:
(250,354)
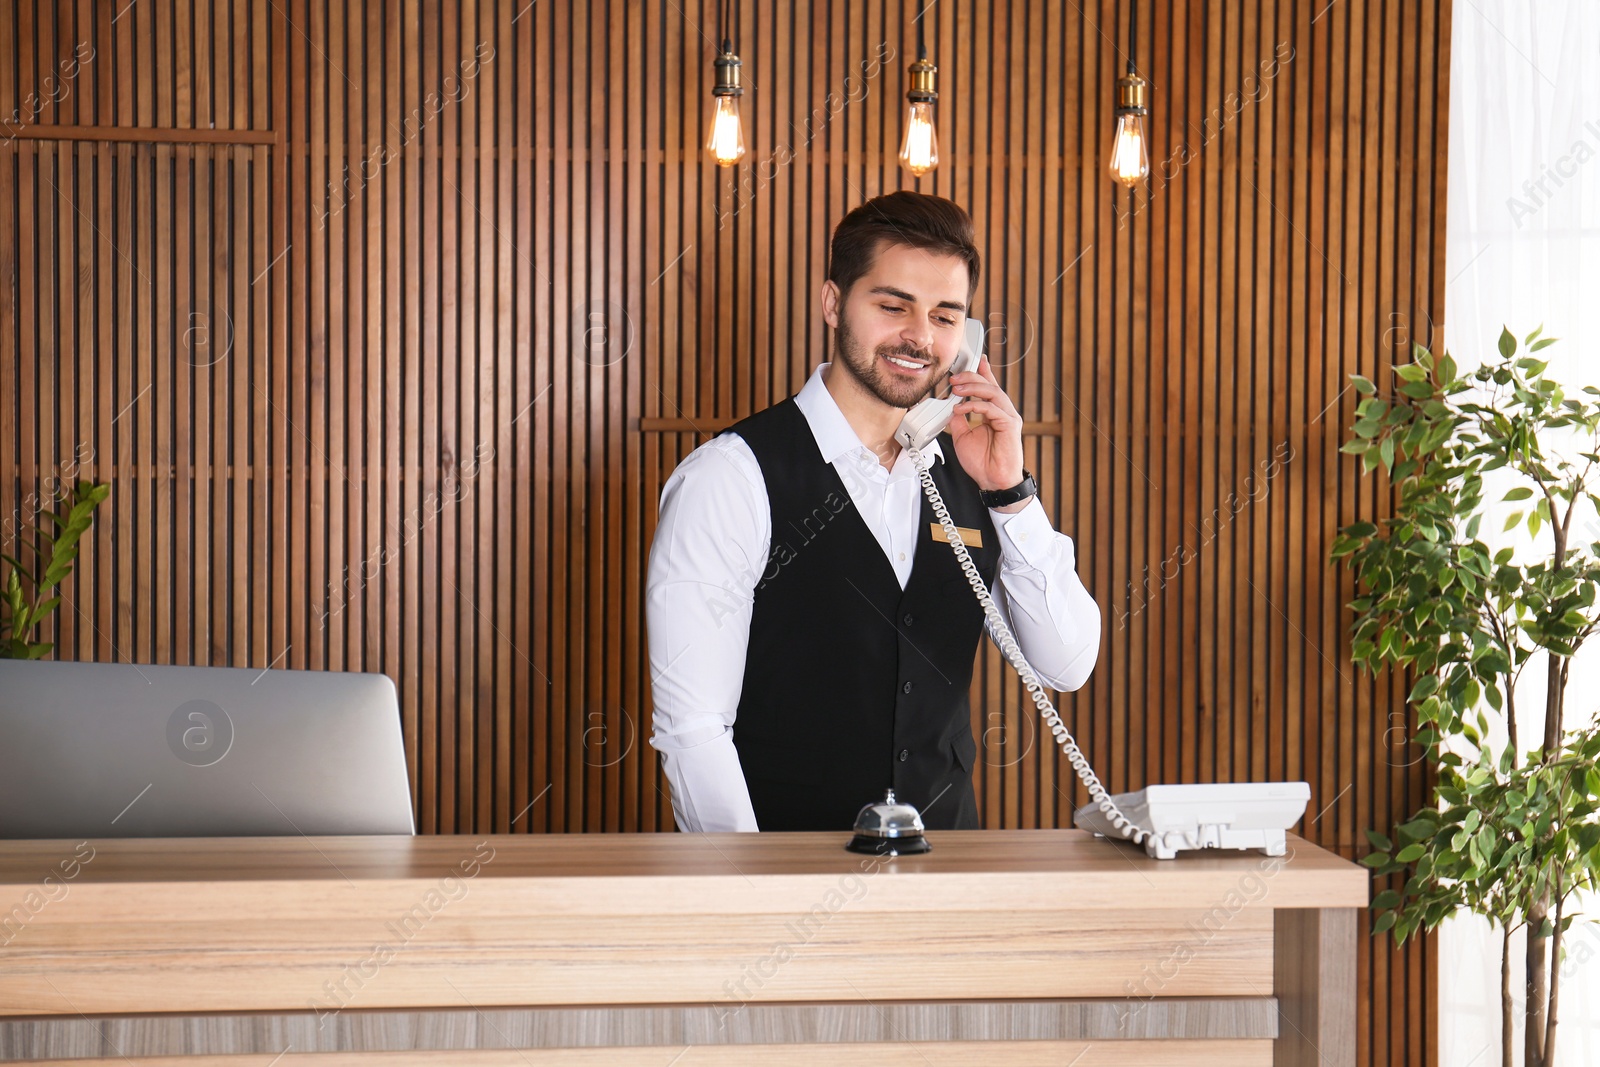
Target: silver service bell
(889,828)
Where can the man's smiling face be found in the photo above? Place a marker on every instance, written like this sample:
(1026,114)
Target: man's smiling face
(900,326)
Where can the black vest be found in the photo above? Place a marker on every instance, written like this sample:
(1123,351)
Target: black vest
(851,685)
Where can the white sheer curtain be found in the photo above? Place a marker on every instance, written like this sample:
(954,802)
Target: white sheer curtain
(1523,249)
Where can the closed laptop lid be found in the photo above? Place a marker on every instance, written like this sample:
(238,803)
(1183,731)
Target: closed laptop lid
(124,750)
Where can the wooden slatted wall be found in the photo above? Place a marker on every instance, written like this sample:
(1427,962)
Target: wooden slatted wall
(387,321)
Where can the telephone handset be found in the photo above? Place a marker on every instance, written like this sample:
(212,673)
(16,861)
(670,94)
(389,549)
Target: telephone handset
(929,417)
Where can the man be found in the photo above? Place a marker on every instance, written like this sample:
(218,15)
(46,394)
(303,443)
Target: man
(811,638)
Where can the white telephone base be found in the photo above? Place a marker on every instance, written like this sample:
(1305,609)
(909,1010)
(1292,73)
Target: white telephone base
(1242,815)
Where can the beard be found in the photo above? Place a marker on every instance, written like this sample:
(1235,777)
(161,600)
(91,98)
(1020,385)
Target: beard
(866,368)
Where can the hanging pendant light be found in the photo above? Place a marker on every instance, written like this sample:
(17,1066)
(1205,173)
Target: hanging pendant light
(1130,159)
(726,143)
(919,151)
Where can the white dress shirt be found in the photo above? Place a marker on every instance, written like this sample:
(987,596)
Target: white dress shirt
(709,552)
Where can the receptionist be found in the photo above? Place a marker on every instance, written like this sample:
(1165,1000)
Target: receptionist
(811,634)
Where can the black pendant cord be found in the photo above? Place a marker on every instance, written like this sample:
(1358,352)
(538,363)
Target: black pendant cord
(1133,32)
(727,41)
(922,46)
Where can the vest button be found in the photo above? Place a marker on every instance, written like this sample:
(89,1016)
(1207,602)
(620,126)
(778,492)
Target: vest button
(906,688)
(905,754)
(907,619)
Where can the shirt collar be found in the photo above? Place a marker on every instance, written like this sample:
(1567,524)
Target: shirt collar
(833,432)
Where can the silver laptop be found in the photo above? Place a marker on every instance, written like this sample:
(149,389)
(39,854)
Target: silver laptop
(122,750)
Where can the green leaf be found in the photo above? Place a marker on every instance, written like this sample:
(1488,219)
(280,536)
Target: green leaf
(1385,921)
(1508,344)
(1411,372)
(1386,899)
(1378,841)
(1542,342)
(1512,520)
(1521,492)
(1425,687)
(1363,386)
(1411,852)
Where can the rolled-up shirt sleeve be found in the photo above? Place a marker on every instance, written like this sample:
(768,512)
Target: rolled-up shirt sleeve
(1054,618)
(709,550)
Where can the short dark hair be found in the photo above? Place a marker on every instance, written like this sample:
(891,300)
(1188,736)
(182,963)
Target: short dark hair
(909,218)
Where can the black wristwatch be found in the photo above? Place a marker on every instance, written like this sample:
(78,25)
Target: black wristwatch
(1001,498)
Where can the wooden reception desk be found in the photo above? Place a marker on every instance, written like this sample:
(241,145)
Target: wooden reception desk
(998,947)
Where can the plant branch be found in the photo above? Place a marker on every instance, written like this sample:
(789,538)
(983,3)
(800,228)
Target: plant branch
(1572,504)
(1555,700)
(1507,1020)
(1536,988)
(1504,636)
(1559,534)
(1555,979)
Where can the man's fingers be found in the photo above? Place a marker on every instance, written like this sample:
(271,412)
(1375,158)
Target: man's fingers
(988,371)
(986,391)
(987,409)
(980,388)
(958,426)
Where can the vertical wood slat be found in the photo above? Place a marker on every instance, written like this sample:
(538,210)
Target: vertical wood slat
(282,365)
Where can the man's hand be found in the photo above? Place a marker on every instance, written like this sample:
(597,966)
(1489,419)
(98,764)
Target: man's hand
(991,452)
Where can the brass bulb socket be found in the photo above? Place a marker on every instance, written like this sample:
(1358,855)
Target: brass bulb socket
(1131,95)
(727,66)
(922,82)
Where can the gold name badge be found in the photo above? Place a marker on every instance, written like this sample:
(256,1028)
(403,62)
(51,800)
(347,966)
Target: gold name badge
(971,538)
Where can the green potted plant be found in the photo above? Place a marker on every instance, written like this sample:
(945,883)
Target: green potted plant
(1512,832)
(27,597)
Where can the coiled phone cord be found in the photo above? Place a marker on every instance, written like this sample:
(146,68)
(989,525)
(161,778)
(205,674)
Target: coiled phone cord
(1008,645)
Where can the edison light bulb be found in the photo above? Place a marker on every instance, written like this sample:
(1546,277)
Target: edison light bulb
(920,151)
(727,132)
(1130,163)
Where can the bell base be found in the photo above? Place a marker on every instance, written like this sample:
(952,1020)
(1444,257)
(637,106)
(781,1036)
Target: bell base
(889,846)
